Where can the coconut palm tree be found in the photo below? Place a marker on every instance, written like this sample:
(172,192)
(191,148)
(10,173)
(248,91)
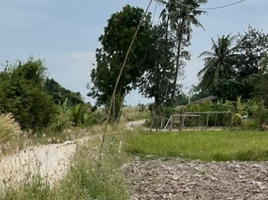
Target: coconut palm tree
(180,15)
(219,62)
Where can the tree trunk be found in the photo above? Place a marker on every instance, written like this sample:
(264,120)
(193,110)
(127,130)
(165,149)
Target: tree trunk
(180,33)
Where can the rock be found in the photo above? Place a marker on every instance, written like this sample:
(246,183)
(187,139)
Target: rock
(175,177)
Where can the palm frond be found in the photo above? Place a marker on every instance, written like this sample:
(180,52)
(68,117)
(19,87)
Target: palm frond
(161,2)
(207,54)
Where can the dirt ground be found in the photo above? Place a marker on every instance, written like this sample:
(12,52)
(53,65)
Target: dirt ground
(186,180)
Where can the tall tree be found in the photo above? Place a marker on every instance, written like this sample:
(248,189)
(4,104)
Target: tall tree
(157,80)
(115,42)
(180,15)
(219,62)
(252,47)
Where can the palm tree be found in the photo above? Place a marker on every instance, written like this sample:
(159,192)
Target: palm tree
(179,15)
(219,62)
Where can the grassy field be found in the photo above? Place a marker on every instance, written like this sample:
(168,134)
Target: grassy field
(203,145)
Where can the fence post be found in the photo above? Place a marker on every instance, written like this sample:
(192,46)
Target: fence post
(181,119)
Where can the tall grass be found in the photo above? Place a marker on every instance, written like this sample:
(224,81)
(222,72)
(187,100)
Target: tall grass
(205,145)
(91,178)
(9,133)
(36,189)
(134,113)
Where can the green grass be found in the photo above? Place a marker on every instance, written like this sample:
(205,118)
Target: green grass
(203,145)
(91,178)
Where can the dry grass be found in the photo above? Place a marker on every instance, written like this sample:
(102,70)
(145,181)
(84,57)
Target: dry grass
(9,133)
(133,114)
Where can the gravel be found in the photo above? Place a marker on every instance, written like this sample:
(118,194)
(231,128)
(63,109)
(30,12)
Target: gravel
(181,180)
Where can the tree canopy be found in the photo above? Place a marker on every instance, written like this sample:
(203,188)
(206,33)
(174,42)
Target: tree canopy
(180,16)
(60,94)
(219,61)
(232,66)
(157,80)
(115,42)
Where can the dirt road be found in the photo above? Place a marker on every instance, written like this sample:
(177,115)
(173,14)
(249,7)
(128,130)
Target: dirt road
(50,161)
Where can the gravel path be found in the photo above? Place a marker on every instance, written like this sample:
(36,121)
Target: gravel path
(180,180)
(50,161)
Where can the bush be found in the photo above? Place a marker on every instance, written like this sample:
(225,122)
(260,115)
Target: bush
(23,95)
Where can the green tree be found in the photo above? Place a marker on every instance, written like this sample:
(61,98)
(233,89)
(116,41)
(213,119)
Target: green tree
(157,80)
(252,47)
(229,89)
(219,62)
(259,84)
(22,94)
(60,94)
(115,42)
(180,15)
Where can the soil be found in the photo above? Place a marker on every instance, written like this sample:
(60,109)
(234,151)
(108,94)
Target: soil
(180,180)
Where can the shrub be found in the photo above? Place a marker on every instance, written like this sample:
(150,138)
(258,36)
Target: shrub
(22,94)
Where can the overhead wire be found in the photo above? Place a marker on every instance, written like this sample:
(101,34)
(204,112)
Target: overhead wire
(223,6)
(214,8)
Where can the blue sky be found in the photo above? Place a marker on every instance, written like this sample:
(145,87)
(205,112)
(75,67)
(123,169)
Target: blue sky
(65,34)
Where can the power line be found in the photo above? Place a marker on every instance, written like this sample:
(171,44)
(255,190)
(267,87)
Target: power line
(223,6)
(213,8)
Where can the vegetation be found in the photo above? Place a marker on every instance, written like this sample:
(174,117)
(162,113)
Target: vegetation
(233,63)
(22,94)
(180,16)
(203,145)
(60,94)
(115,42)
(219,62)
(93,179)
(9,133)
(157,81)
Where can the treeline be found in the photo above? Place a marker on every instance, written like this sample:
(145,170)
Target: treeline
(236,67)
(33,99)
